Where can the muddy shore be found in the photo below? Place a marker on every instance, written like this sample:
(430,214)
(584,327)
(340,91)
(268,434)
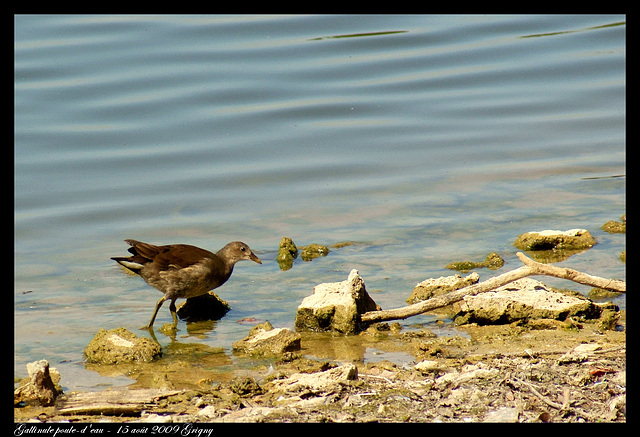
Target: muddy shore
(543,372)
(542,367)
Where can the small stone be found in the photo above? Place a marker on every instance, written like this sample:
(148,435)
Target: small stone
(503,415)
(208,412)
(263,339)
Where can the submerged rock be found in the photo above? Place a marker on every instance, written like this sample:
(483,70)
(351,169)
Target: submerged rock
(40,386)
(435,287)
(313,251)
(263,339)
(522,300)
(335,306)
(121,346)
(206,307)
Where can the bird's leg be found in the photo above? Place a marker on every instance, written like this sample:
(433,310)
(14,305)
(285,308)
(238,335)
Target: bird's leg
(155,313)
(174,314)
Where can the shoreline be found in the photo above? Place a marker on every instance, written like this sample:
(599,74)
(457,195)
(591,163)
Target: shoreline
(506,373)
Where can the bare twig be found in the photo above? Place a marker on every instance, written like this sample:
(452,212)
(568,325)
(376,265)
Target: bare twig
(530,268)
(549,402)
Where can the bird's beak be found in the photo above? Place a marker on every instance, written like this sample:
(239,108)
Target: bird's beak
(253,257)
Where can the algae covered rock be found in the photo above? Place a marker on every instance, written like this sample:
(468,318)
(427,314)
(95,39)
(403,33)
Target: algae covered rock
(573,239)
(435,287)
(614,227)
(335,306)
(121,346)
(555,246)
(313,251)
(263,339)
(206,307)
(287,252)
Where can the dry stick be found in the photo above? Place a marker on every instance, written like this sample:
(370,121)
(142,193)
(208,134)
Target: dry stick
(530,268)
(573,275)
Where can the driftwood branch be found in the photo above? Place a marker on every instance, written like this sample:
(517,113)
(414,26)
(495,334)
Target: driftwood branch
(117,403)
(530,268)
(573,275)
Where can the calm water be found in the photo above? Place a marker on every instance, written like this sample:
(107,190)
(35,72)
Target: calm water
(425,139)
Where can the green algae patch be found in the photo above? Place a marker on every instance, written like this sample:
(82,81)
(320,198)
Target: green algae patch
(343,244)
(493,261)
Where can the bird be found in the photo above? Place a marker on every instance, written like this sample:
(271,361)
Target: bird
(182,270)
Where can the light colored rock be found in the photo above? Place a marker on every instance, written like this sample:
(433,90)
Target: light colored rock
(467,374)
(503,415)
(208,411)
(430,366)
(335,306)
(317,381)
(263,339)
(437,286)
(40,386)
(579,353)
(522,299)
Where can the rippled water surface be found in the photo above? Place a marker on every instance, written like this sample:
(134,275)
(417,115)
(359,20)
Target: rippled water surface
(424,139)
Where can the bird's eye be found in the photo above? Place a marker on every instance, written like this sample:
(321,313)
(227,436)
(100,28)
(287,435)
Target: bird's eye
(242,248)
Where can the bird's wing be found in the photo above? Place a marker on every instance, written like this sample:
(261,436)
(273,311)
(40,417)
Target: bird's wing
(179,256)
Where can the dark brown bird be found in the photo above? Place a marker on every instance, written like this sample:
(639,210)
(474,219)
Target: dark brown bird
(181,270)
